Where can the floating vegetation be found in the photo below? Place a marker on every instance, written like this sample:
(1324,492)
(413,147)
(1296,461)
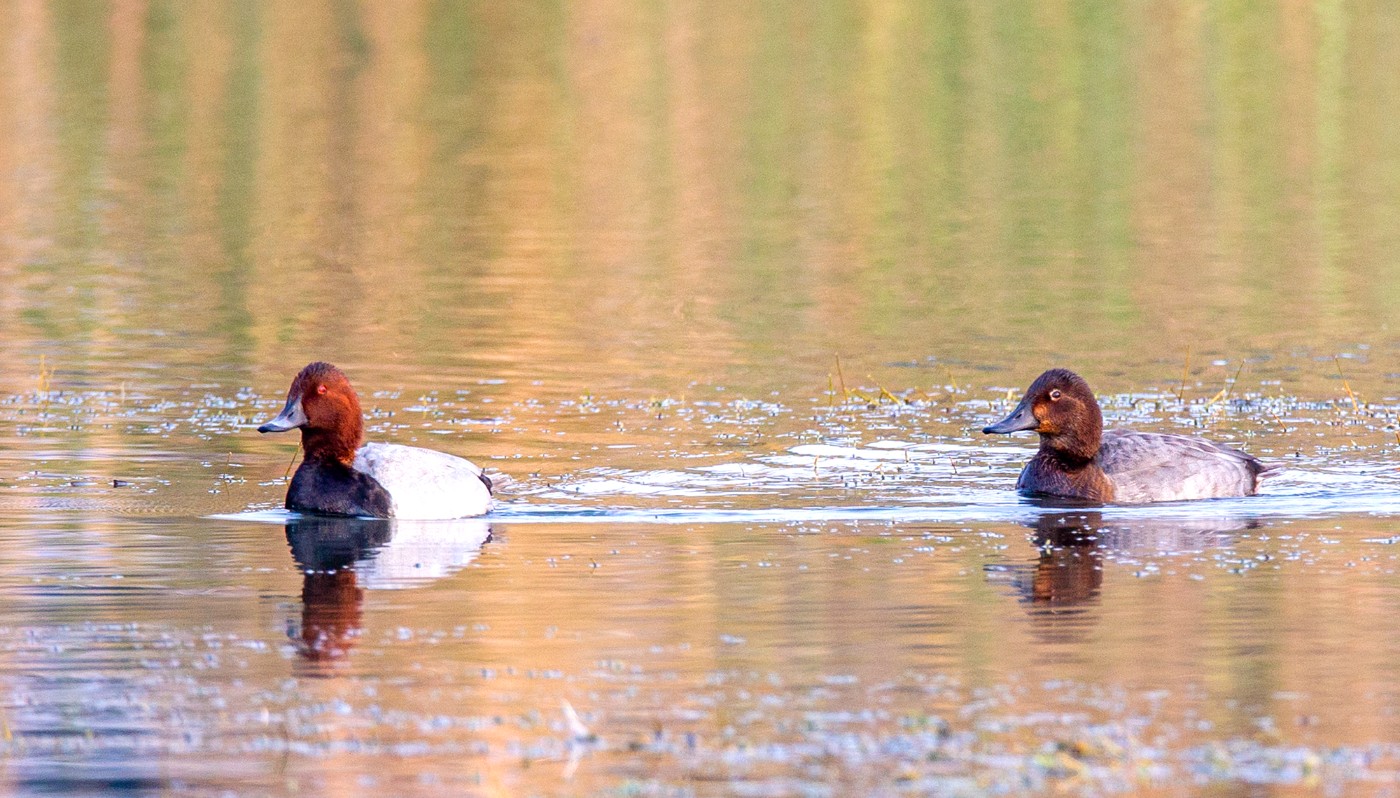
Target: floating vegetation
(818,592)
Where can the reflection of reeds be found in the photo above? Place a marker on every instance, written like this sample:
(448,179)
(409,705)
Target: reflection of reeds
(45,383)
(45,377)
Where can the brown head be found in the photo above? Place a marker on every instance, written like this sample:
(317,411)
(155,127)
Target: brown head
(324,407)
(1059,406)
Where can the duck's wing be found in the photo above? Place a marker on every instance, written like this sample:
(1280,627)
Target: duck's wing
(425,484)
(1154,467)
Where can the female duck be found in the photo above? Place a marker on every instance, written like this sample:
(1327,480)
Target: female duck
(1079,460)
(339,476)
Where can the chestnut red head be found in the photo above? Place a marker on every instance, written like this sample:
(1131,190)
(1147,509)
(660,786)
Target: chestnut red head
(323,405)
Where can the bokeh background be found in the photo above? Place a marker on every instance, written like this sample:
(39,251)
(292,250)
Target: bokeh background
(647,194)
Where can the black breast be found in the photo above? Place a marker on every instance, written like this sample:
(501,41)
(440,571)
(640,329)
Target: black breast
(334,488)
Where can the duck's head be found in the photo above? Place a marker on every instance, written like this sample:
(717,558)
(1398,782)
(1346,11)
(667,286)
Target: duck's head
(324,407)
(1059,406)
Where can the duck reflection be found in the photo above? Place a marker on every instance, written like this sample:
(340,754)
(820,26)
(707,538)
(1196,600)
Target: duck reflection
(1070,568)
(1062,588)
(342,557)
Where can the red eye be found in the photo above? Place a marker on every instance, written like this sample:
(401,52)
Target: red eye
(322,389)
(1055,395)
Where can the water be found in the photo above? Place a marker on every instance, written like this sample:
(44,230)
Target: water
(727,293)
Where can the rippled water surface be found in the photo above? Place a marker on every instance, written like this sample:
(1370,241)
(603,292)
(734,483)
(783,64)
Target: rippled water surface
(722,296)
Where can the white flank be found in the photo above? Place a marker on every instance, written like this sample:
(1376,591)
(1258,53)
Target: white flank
(424,484)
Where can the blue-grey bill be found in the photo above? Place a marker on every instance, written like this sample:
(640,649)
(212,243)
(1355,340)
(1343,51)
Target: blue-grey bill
(290,418)
(1020,419)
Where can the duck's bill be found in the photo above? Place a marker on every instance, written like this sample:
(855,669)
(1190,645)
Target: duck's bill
(291,417)
(1020,419)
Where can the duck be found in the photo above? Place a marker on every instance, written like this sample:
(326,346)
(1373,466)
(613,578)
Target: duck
(342,475)
(1079,460)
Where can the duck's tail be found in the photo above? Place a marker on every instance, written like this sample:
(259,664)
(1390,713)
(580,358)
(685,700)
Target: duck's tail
(1261,470)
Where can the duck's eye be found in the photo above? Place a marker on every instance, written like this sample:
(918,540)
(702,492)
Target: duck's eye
(1055,395)
(321,389)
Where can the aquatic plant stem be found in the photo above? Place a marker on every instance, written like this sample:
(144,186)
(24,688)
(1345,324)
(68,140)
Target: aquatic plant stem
(1355,406)
(1181,391)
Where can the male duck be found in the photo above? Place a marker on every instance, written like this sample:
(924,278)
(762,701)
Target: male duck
(339,476)
(1079,460)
